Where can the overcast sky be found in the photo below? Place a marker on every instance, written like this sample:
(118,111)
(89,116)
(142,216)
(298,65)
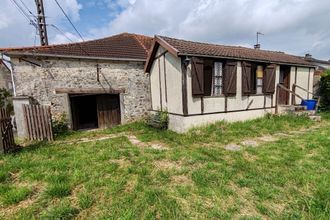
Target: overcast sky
(293,26)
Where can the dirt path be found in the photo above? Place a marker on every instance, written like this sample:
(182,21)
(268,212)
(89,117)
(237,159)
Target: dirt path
(132,138)
(255,142)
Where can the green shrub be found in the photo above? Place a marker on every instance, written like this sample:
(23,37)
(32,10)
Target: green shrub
(325,91)
(60,124)
(159,120)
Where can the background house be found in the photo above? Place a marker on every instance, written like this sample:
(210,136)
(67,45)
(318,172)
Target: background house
(5,76)
(320,67)
(97,83)
(199,83)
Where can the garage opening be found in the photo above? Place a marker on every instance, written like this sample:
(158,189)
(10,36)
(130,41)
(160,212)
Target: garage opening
(94,111)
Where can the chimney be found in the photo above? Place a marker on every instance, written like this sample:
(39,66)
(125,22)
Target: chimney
(308,56)
(257,46)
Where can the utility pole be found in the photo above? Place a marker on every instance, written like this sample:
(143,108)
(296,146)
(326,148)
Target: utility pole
(42,22)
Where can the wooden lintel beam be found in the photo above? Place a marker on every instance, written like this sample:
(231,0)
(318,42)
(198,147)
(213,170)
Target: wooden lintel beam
(33,62)
(88,91)
(161,54)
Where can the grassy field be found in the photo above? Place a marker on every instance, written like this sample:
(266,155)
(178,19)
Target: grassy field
(191,176)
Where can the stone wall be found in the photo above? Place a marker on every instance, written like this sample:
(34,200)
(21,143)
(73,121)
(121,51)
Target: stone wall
(41,82)
(5,78)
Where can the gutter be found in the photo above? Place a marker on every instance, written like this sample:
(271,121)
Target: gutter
(245,59)
(18,54)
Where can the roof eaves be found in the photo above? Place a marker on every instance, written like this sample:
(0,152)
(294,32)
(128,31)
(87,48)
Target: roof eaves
(18,54)
(247,59)
(167,46)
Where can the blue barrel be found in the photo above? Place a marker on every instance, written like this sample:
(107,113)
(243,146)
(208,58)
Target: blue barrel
(309,103)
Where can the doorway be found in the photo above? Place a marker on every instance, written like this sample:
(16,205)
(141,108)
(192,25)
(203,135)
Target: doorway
(284,81)
(94,111)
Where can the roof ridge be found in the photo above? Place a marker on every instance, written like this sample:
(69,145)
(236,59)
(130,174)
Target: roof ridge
(141,44)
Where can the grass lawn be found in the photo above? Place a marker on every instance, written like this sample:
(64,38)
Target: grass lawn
(194,176)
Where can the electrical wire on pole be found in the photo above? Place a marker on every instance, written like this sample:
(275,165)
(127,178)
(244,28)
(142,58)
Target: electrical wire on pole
(67,17)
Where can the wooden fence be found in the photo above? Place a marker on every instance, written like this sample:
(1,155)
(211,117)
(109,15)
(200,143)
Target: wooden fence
(38,122)
(7,142)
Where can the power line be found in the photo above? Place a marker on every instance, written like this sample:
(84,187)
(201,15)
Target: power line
(67,17)
(64,34)
(23,12)
(27,8)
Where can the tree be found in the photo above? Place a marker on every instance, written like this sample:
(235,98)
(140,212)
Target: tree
(325,90)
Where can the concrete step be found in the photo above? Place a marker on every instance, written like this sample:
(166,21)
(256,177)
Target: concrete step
(295,109)
(315,117)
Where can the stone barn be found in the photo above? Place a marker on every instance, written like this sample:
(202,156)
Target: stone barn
(97,84)
(5,77)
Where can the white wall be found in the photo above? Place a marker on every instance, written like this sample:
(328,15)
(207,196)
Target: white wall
(183,124)
(214,107)
(171,69)
(305,77)
(237,102)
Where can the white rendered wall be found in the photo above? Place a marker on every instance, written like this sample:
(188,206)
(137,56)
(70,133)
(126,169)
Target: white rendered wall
(171,69)
(234,103)
(183,124)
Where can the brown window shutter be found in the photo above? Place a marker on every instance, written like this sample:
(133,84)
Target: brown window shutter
(208,76)
(230,78)
(246,78)
(197,76)
(269,79)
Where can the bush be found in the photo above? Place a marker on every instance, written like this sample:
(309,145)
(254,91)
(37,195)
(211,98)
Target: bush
(325,91)
(159,120)
(60,124)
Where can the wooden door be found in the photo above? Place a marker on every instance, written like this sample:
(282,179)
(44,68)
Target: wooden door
(108,110)
(285,81)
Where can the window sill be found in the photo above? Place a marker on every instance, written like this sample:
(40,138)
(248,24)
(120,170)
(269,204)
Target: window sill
(258,95)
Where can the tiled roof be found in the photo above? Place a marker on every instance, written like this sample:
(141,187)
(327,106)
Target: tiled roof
(184,47)
(122,46)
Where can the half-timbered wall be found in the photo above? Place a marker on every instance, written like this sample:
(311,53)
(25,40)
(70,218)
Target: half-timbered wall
(207,109)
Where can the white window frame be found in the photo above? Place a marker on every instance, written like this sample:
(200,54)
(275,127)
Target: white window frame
(217,79)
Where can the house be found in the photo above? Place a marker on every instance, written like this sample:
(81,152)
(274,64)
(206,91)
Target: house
(200,83)
(321,66)
(5,76)
(97,84)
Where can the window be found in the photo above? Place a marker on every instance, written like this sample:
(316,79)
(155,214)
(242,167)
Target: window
(217,79)
(210,78)
(252,78)
(259,75)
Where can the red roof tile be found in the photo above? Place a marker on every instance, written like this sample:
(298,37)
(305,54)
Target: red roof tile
(185,47)
(122,46)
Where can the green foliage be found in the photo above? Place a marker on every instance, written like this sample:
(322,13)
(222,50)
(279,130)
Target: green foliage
(60,124)
(159,120)
(58,190)
(5,100)
(13,195)
(62,211)
(195,177)
(325,91)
